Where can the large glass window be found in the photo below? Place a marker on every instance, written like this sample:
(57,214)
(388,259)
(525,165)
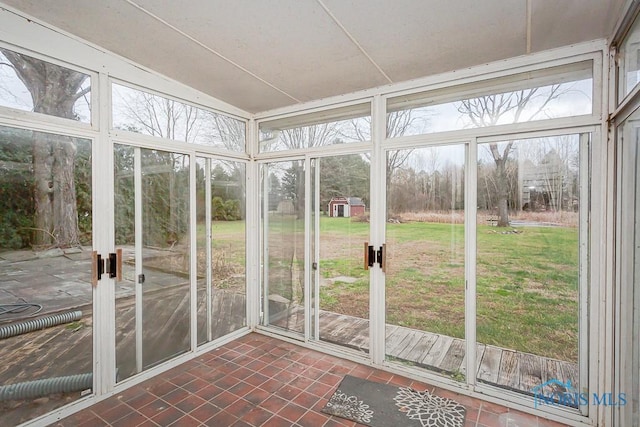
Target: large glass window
(425,274)
(629,62)
(545,94)
(46,297)
(31,84)
(149,114)
(629,278)
(220,211)
(283,212)
(530,282)
(337,126)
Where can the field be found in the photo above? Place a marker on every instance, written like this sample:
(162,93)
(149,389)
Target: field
(527,279)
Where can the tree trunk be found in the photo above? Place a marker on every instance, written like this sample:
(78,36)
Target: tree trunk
(43,189)
(54,91)
(65,211)
(503,193)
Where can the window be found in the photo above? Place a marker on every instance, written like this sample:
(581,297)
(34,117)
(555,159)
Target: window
(629,62)
(149,114)
(337,126)
(562,91)
(30,84)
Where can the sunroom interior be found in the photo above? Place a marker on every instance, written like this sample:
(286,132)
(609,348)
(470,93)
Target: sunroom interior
(447,191)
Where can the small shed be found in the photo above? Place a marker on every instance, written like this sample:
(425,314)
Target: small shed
(346,207)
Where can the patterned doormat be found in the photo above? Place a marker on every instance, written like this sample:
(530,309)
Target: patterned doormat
(383,405)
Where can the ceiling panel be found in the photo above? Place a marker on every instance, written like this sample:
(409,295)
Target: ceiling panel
(559,23)
(293,44)
(416,38)
(127,31)
(283,52)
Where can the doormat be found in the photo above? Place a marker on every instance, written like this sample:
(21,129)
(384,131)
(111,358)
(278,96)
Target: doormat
(383,405)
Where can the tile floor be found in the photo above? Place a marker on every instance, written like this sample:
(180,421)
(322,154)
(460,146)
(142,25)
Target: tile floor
(261,381)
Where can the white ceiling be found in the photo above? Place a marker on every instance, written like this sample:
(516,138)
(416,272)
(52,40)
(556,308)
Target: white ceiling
(264,54)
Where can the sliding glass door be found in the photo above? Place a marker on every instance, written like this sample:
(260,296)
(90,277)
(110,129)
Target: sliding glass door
(152,229)
(425,271)
(339,228)
(531,281)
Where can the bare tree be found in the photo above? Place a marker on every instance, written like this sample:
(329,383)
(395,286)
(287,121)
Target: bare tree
(54,91)
(491,110)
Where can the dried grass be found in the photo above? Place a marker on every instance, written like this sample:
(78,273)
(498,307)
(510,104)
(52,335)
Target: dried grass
(563,218)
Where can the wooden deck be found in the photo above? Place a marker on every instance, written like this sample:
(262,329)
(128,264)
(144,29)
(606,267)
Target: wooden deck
(506,368)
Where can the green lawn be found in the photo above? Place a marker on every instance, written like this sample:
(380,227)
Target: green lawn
(527,283)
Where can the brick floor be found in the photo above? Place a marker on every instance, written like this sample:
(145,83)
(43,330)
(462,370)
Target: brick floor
(262,381)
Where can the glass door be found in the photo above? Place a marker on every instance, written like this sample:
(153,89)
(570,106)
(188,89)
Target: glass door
(425,271)
(46,297)
(152,229)
(532,274)
(338,231)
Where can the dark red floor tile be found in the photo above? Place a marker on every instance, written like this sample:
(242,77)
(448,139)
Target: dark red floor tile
(161,388)
(240,407)
(147,423)
(288,392)
(319,389)
(168,416)
(274,404)
(132,419)
(257,396)
(154,408)
(176,396)
(204,412)
(257,416)
(270,371)
(195,385)
(241,373)
(341,370)
(292,412)
(226,382)
(190,403)
(491,407)
(312,419)
(277,421)
(330,379)
(141,400)
(313,373)
(256,365)
(222,418)
(186,421)
(241,389)
(488,418)
(307,400)
(301,382)
(257,379)
(209,392)
(182,379)
(400,381)
(224,399)
(271,385)
(118,411)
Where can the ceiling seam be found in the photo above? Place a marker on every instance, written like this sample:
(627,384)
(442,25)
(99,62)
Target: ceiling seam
(204,46)
(354,41)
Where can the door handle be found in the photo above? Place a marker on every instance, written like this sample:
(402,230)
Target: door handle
(382,257)
(114,265)
(369,256)
(97,268)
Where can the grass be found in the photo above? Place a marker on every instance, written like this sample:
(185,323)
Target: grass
(527,283)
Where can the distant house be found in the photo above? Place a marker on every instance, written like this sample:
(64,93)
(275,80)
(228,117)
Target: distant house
(346,207)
